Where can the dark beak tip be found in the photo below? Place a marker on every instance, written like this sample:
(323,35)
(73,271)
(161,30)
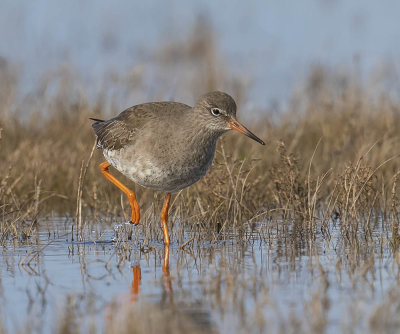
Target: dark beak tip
(258,140)
(255,138)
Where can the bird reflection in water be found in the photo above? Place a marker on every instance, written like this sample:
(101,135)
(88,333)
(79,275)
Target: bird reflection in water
(163,317)
(137,277)
(121,308)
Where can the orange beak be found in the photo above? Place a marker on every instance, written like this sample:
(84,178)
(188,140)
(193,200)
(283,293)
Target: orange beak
(235,125)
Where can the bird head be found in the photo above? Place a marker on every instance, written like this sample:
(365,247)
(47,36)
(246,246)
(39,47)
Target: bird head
(217,110)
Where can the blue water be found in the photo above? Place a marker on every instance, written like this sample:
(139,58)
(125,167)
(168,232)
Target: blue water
(227,286)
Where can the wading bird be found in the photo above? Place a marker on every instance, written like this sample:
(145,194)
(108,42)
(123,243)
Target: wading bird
(165,146)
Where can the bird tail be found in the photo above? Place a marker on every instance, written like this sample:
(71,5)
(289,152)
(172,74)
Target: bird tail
(96,120)
(97,125)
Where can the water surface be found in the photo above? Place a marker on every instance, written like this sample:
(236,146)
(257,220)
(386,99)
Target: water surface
(271,281)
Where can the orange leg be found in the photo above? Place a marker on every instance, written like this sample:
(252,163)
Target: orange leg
(135,218)
(165,268)
(137,277)
(164,218)
(166,261)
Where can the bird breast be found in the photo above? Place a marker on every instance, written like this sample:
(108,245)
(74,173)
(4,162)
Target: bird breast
(164,165)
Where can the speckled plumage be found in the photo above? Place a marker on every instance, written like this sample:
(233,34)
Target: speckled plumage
(166,146)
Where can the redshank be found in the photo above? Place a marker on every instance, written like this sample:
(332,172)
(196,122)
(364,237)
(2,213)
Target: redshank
(165,146)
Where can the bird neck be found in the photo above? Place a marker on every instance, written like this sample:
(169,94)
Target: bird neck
(201,127)
(200,133)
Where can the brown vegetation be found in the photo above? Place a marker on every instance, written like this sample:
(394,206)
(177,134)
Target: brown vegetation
(336,156)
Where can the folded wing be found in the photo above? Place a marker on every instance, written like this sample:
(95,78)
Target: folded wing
(117,132)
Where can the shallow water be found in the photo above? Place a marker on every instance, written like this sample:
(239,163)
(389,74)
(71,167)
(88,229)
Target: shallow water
(282,283)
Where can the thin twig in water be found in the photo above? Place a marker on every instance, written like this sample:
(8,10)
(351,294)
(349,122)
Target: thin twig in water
(186,243)
(82,175)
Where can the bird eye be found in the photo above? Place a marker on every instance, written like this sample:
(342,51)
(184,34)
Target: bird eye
(215,111)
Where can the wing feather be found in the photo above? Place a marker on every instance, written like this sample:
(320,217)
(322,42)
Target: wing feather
(117,132)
